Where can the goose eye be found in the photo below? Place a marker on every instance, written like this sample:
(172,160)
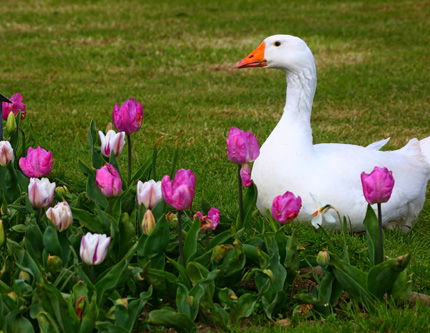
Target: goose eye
(277,43)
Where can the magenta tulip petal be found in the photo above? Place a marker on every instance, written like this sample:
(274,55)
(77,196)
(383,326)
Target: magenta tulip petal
(108,181)
(16,106)
(285,208)
(128,117)
(378,185)
(242,147)
(245,175)
(37,163)
(179,193)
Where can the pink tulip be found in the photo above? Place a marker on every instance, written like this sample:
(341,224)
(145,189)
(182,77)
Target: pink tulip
(6,153)
(128,117)
(16,106)
(210,221)
(94,248)
(60,215)
(378,185)
(242,147)
(179,193)
(37,163)
(112,142)
(245,175)
(285,208)
(41,192)
(108,181)
(149,193)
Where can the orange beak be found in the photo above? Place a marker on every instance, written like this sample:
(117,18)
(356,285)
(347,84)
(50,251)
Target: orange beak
(254,59)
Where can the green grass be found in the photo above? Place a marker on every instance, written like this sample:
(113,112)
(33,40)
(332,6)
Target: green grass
(74,61)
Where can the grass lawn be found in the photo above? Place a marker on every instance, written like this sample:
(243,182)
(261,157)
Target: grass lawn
(74,60)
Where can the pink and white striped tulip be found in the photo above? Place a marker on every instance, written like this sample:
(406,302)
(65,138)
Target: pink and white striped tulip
(6,153)
(16,106)
(94,248)
(112,141)
(108,181)
(37,163)
(41,192)
(149,193)
(242,147)
(285,208)
(179,193)
(60,215)
(128,117)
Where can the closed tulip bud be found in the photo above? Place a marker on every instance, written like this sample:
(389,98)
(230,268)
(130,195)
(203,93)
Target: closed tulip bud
(23,275)
(60,215)
(13,296)
(112,142)
(179,193)
(122,301)
(148,222)
(10,124)
(378,185)
(108,181)
(245,175)
(268,272)
(149,193)
(6,153)
(109,127)
(37,163)
(172,219)
(2,234)
(242,147)
(16,106)
(41,192)
(286,207)
(128,117)
(54,264)
(61,191)
(323,258)
(79,307)
(94,248)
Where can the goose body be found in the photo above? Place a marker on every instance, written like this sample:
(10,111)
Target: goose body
(289,161)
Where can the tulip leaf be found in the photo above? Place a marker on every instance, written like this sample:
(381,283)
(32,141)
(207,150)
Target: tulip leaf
(46,323)
(94,192)
(156,243)
(183,300)
(244,307)
(220,317)
(8,182)
(50,241)
(113,277)
(87,220)
(16,323)
(372,234)
(402,288)
(318,305)
(353,280)
(179,321)
(144,171)
(190,245)
(34,242)
(292,259)
(135,309)
(96,158)
(381,278)
(221,238)
(249,205)
(183,278)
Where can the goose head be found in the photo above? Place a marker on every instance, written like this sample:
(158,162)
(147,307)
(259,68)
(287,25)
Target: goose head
(285,52)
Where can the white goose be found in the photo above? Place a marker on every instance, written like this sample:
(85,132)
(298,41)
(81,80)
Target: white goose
(289,161)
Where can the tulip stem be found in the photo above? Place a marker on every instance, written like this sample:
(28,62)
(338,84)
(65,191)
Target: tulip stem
(129,157)
(181,250)
(240,197)
(380,249)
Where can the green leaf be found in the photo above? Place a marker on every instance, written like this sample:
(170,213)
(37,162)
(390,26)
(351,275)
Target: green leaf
(292,259)
(402,288)
(244,307)
(249,205)
(46,323)
(157,241)
(372,234)
(190,245)
(183,278)
(353,280)
(113,277)
(381,278)
(90,315)
(183,300)
(50,241)
(96,158)
(220,317)
(221,238)
(15,323)
(167,318)
(135,308)
(87,220)
(94,192)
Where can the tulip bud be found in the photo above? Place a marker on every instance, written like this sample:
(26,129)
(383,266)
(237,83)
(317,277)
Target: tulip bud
(10,124)
(323,258)
(60,215)
(6,153)
(41,192)
(268,272)
(2,234)
(172,219)
(23,275)
(149,193)
(79,307)
(109,127)
(13,296)
(122,301)
(61,191)
(54,264)
(245,175)
(220,251)
(148,222)
(378,185)
(94,248)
